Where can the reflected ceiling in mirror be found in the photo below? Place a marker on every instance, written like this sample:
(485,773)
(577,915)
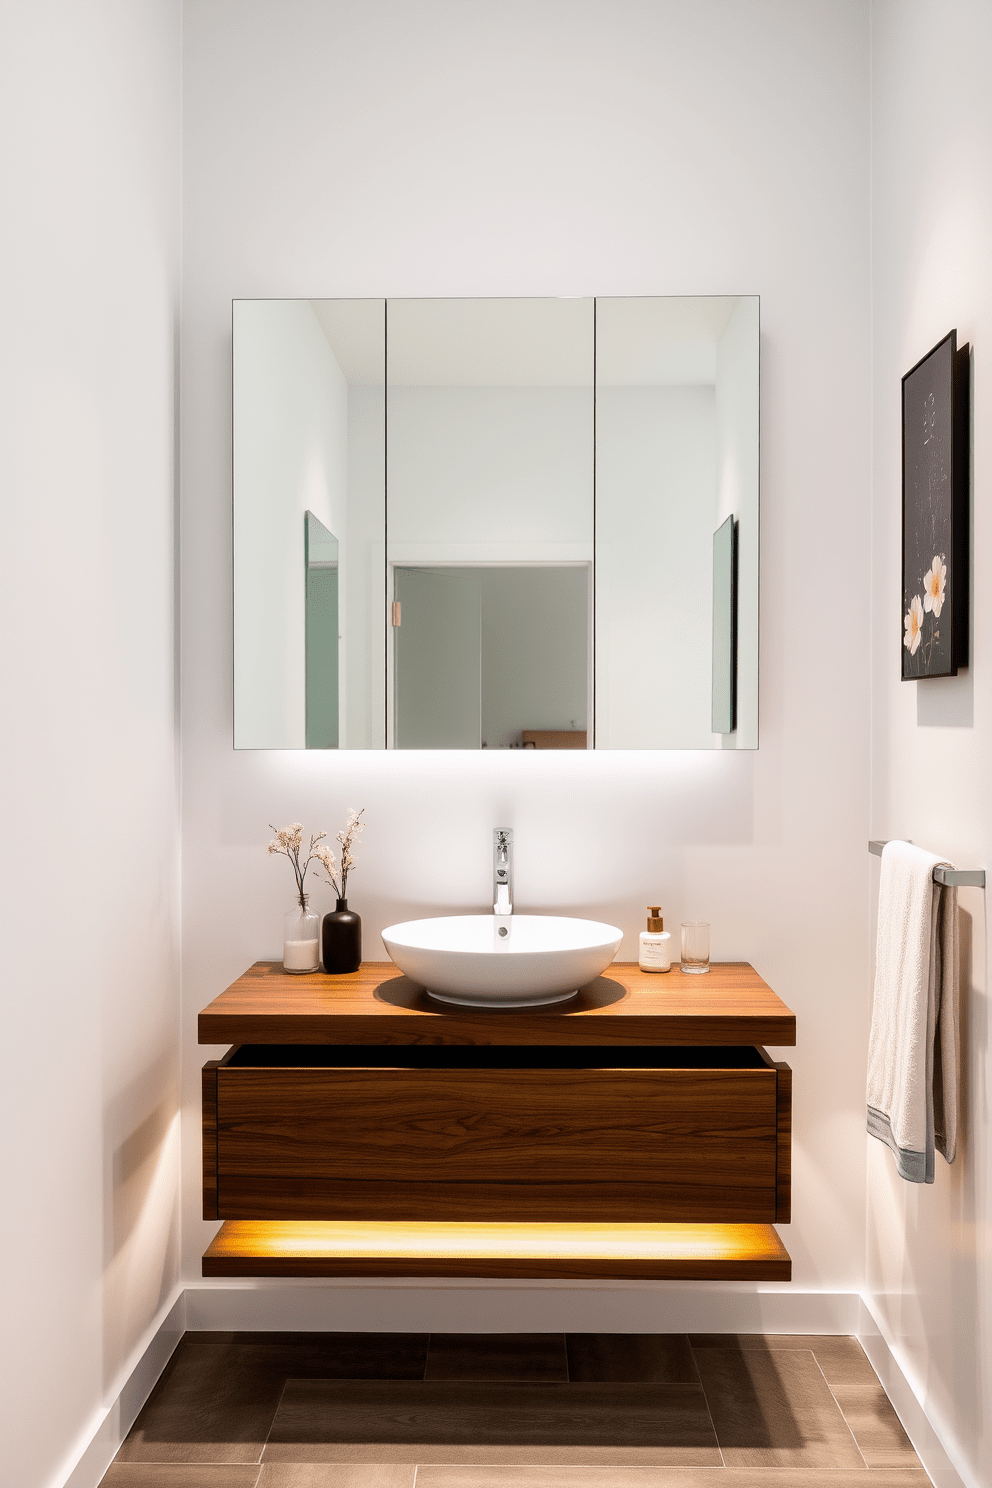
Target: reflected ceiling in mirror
(522,496)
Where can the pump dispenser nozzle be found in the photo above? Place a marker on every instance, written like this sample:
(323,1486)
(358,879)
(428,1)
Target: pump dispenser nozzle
(655,921)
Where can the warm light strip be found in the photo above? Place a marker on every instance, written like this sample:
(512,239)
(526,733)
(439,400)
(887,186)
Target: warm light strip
(327,1239)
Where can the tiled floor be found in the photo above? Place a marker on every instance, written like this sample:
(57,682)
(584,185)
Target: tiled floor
(381,1410)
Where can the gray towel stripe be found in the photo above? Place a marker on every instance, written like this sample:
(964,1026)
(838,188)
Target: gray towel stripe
(912,1166)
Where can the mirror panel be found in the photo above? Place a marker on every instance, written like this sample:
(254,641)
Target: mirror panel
(309,411)
(554,468)
(676,454)
(490,469)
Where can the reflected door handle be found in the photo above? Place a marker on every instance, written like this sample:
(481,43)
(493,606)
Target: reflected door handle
(396,612)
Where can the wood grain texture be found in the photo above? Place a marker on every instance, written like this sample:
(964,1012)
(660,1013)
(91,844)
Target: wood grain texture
(783,1178)
(490,1421)
(209,1088)
(677,1252)
(378,1005)
(501,1126)
(264,1196)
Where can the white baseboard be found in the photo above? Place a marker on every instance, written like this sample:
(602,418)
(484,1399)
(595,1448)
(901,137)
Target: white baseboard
(99,1442)
(427,1306)
(908,1406)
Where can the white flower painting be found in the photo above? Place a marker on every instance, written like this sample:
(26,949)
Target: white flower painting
(934,585)
(935,510)
(913,623)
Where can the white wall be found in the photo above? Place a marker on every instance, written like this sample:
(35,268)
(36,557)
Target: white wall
(928,1247)
(89,179)
(291,456)
(544,149)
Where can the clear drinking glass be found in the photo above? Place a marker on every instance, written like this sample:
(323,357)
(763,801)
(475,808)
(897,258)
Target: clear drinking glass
(301,938)
(695,946)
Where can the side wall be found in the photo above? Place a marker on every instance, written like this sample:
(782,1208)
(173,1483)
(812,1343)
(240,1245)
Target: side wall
(89,254)
(620,149)
(929,1283)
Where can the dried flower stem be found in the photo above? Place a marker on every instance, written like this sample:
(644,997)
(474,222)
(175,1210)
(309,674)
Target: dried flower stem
(288,843)
(348,839)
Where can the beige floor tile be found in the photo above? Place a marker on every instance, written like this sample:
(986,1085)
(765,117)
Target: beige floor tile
(493,1422)
(336,1475)
(694,1459)
(325,1355)
(774,1409)
(636,1357)
(843,1362)
(369,1344)
(217,1397)
(875,1426)
(179,1475)
(844,1365)
(212,1404)
(767,1343)
(497,1356)
(659,1477)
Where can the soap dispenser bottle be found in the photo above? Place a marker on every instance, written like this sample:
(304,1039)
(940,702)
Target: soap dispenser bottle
(655,943)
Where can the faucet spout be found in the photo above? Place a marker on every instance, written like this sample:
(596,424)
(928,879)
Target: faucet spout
(502,870)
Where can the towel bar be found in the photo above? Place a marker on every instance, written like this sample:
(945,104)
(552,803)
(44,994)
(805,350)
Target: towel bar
(960,878)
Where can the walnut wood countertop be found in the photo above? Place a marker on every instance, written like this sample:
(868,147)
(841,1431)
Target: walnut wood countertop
(379,1005)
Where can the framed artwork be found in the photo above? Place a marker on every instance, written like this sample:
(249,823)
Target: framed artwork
(935,557)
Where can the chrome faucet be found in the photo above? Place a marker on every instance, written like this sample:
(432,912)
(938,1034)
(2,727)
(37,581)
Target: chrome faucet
(503,870)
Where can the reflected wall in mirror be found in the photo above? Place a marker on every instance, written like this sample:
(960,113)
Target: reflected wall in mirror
(309,411)
(556,473)
(676,454)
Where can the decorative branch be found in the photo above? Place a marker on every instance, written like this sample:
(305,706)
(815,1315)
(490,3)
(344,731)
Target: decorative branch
(288,843)
(348,839)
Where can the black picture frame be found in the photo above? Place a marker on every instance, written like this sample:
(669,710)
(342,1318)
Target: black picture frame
(935,498)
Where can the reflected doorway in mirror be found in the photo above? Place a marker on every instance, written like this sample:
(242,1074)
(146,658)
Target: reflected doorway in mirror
(491,656)
(321,562)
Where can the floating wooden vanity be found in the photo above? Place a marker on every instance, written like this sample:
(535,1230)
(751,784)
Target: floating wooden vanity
(356,1127)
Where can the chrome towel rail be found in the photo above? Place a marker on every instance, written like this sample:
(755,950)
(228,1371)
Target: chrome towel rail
(957,878)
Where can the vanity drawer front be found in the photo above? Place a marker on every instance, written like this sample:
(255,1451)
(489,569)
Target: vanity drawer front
(701,1142)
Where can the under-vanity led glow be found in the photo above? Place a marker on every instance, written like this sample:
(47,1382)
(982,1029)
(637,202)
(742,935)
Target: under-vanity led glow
(393,1248)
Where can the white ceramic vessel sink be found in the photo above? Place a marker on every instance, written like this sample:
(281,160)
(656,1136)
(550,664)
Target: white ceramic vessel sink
(502,961)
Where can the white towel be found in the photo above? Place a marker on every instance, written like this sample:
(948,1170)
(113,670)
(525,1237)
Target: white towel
(914,1045)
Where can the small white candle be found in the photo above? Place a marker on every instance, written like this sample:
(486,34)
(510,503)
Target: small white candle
(300,955)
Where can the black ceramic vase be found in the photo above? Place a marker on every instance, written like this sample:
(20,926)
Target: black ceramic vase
(341,940)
